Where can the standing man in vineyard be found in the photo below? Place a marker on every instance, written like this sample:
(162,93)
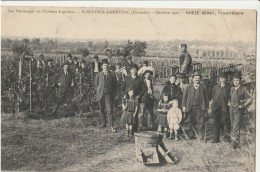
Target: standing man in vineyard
(185,60)
(65,78)
(195,103)
(219,108)
(96,67)
(240,99)
(106,83)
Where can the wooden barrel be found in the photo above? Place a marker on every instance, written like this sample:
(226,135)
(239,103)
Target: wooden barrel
(147,141)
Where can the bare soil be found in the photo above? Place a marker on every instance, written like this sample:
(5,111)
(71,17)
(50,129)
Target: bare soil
(73,143)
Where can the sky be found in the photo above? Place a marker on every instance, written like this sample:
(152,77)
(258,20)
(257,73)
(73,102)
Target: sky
(159,24)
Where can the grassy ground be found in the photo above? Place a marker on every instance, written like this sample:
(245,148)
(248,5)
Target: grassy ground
(75,144)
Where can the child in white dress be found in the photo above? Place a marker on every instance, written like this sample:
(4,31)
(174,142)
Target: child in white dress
(174,117)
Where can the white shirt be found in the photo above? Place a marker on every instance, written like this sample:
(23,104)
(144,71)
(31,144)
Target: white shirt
(174,113)
(149,86)
(96,67)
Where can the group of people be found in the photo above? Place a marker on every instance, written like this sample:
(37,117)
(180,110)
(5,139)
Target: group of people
(186,100)
(178,103)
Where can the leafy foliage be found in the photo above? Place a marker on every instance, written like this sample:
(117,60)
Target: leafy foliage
(84,52)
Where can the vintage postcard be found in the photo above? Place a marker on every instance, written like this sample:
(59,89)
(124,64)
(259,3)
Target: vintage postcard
(128,89)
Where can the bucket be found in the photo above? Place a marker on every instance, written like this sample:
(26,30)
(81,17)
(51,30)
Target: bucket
(146,144)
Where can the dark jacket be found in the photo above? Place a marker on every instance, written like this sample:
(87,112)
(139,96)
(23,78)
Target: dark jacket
(135,84)
(146,98)
(188,96)
(173,91)
(65,82)
(128,66)
(243,96)
(185,63)
(93,67)
(222,95)
(99,82)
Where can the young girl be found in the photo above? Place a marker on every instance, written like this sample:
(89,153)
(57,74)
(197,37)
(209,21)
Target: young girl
(129,106)
(174,117)
(161,119)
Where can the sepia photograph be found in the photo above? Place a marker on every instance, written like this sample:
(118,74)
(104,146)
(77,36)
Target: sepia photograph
(128,89)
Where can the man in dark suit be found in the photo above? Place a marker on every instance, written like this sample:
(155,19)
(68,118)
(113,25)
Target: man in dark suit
(146,103)
(96,67)
(106,83)
(133,82)
(219,108)
(65,78)
(185,60)
(195,103)
(240,99)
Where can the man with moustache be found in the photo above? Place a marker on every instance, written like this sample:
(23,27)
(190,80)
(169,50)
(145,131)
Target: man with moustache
(220,109)
(106,84)
(195,103)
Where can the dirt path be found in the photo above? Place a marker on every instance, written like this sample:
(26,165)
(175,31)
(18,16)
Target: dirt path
(192,158)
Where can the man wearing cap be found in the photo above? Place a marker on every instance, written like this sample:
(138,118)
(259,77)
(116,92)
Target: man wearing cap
(65,78)
(145,67)
(185,60)
(239,101)
(146,103)
(96,66)
(195,103)
(105,82)
(219,108)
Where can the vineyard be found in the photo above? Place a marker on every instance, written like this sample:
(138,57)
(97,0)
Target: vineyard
(16,86)
(34,140)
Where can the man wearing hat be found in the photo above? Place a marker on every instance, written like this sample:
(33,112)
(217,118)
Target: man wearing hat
(146,103)
(51,71)
(220,109)
(105,82)
(65,78)
(195,103)
(239,101)
(96,66)
(185,60)
(145,67)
